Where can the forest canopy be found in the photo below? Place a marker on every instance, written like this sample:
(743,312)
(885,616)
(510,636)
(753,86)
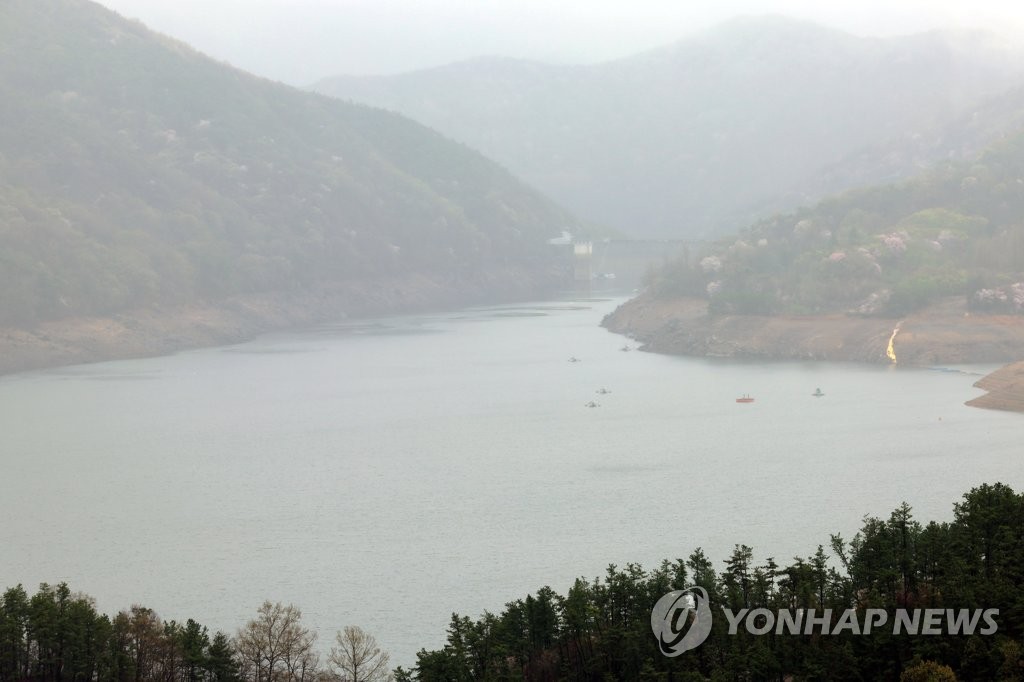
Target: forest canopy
(889,250)
(135,171)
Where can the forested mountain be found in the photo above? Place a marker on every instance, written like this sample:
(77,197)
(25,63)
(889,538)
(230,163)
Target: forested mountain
(964,138)
(889,250)
(704,136)
(135,171)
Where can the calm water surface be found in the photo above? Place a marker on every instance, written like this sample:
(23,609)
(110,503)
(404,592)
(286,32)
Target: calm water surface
(388,472)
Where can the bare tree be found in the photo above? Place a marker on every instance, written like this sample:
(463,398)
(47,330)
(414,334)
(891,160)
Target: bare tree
(274,647)
(357,658)
(144,630)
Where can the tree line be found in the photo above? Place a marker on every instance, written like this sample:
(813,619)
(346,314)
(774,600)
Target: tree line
(600,629)
(58,636)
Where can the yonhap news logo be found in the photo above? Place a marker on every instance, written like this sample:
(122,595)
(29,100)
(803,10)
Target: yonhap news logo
(681,620)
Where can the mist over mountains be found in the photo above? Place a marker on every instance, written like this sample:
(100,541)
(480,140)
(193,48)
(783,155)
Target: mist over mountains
(135,171)
(702,137)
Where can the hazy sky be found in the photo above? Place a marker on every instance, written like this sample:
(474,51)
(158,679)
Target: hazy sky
(300,41)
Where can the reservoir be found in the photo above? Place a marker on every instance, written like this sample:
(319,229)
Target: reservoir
(387,472)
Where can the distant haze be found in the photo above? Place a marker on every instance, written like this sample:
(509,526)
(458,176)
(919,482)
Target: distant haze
(301,41)
(705,136)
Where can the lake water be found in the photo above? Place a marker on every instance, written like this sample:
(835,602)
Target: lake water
(385,473)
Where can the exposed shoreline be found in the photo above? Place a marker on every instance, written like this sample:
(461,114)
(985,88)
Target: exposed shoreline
(167,329)
(1005,389)
(941,335)
(945,333)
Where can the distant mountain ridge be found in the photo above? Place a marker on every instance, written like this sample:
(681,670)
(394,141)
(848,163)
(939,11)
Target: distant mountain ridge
(986,124)
(137,172)
(702,137)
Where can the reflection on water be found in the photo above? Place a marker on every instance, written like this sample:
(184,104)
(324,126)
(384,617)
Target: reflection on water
(391,328)
(449,461)
(256,350)
(113,377)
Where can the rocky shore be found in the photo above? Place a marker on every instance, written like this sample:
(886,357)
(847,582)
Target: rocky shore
(167,329)
(1005,389)
(945,333)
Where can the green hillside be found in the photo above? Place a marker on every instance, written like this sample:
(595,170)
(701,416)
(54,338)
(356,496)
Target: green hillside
(135,171)
(890,250)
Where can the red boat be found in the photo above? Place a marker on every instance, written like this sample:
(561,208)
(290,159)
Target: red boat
(745,399)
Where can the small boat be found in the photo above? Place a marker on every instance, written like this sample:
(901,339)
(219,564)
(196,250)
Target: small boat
(591,404)
(626,348)
(574,359)
(817,393)
(603,391)
(745,399)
